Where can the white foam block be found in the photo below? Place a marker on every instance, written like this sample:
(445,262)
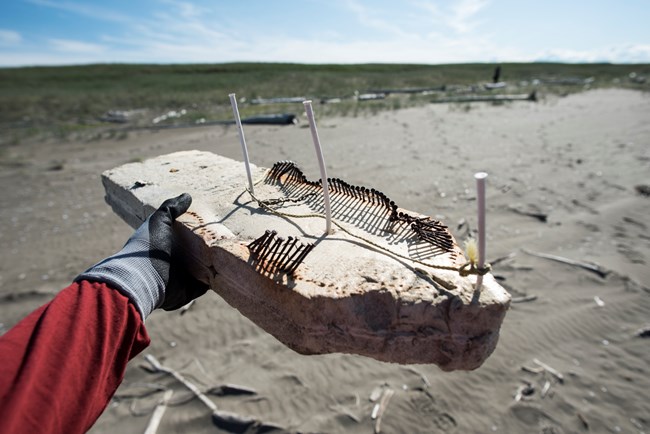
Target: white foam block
(358,291)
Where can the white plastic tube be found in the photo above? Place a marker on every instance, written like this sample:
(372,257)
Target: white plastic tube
(480,195)
(242,140)
(321,164)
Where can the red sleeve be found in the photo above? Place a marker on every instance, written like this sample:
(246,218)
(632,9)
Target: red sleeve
(60,365)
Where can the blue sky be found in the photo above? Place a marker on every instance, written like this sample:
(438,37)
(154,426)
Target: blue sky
(55,32)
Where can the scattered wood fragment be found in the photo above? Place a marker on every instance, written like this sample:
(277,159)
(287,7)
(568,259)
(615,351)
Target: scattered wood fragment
(231,390)
(636,424)
(423,377)
(232,422)
(148,389)
(487,98)
(542,217)
(643,190)
(643,332)
(342,409)
(408,90)
(599,301)
(380,408)
(589,266)
(278,100)
(545,389)
(376,394)
(532,370)
(523,391)
(524,299)
(158,413)
(500,259)
(550,370)
(585,424)
(236,423)
(157,367)
(223,419)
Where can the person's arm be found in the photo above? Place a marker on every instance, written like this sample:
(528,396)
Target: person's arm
(60,366)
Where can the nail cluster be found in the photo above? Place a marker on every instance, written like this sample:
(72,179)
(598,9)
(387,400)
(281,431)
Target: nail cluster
(275,254)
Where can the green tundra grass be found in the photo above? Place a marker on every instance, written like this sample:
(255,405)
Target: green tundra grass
(64,100)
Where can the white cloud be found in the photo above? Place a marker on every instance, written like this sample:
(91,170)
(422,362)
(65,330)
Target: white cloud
(630,53)
(9,37)
(463,18)
(90,11)
(72,46)
(186,9)
(460,16)
(367,17)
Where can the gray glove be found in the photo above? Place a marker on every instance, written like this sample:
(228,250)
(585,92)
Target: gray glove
(148,269)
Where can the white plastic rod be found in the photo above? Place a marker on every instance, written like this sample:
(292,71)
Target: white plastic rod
(321,163)
(480,194)
(242,140)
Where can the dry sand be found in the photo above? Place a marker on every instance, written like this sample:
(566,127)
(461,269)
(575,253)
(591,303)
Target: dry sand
(575,159)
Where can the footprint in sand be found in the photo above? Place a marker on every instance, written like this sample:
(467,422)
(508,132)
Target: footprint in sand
(425,414)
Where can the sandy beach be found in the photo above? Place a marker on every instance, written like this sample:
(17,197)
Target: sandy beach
(563,177)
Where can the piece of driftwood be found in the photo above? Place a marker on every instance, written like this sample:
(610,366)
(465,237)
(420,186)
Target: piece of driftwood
(369,96)
(227,420)
(380,408)
(425,380)
(408,90)
(278,100)
(158,413)
(599,301)
(523,391)
(550,370)
(272,119)
(237,423)
(532,370)
(231,390)
(501,259)
(495,85)
(486,98)
(643,332)
(583,420)
(524,299)
(158,367)
(594,268)
(545,389)
(385,284)
(542,217)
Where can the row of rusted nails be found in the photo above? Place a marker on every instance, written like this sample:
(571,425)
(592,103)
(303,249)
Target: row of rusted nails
(277,254)
(294,174)
(429,230)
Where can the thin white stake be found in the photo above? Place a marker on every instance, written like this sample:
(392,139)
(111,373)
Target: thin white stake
(321,163)
(480,194)
(242,140)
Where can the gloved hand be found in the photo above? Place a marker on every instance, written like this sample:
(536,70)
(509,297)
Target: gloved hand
(148,269)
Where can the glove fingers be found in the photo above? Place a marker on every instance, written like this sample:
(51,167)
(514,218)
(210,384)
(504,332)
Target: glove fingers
(184,289)
(181,287)
(177,206)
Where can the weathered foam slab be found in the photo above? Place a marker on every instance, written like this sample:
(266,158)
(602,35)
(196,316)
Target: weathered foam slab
(346,296)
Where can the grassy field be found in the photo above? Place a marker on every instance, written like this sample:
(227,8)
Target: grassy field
(64,100)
